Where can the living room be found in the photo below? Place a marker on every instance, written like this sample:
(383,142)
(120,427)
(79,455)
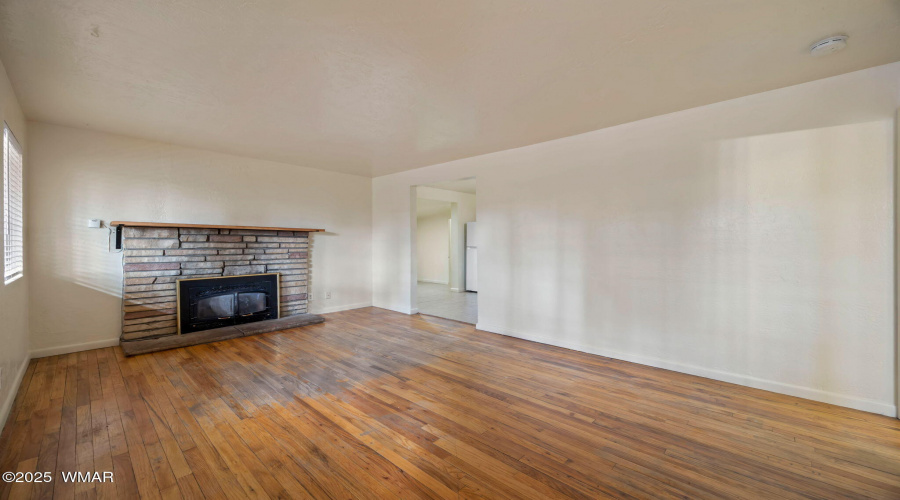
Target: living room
(214,249)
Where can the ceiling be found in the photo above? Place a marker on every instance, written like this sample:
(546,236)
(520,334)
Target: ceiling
(460,186)
(428,208)
(372,88)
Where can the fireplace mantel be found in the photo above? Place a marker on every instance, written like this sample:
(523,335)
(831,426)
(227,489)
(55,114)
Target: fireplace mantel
(157,255)
(211,226)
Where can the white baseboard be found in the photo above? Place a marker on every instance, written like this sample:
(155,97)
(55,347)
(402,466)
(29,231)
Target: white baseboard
(455,290)
(66,349)
(346,307)
(734,378)
(14,386)
(436,282)
(97,344)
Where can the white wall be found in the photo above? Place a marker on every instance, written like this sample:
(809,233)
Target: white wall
(748,241)
(433,237)
(14,296)
(77,175)
(897,254)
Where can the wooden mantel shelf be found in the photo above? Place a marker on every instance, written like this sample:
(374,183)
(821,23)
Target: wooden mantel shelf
(211,226)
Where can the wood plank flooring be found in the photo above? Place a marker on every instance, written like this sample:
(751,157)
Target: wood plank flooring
(376,404)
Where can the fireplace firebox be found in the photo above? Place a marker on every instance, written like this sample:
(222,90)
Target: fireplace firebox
(206,303)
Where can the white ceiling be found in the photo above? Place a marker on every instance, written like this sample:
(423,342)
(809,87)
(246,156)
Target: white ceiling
(377,87)
(460,186)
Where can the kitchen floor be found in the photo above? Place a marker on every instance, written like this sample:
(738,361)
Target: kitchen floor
(437,300)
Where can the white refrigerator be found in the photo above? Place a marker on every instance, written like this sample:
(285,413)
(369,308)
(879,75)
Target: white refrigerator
(471,256)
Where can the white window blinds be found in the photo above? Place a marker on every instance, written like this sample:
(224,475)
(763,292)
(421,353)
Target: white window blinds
(13,261)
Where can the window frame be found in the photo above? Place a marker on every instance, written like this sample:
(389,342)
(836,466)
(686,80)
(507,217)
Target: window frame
(9,138)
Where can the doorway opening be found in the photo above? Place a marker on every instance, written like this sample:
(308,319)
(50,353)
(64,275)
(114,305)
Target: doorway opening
(446,250)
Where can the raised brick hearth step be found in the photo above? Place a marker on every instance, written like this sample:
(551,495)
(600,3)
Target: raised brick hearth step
(133,347)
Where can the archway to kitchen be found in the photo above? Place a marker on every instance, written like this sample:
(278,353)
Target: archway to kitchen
(445,246)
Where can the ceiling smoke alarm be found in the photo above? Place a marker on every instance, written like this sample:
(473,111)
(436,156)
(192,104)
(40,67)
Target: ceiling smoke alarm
(829,45)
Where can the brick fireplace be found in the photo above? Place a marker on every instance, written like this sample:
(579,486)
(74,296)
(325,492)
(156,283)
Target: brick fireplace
(155,258)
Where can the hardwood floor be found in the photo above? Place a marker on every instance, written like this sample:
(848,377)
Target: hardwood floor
(376,404)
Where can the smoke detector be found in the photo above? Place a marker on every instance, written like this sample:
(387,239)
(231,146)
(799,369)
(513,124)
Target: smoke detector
(829,45)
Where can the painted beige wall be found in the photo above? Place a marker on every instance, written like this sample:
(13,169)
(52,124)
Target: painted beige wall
(433,238)
(77,175)
(748,241)
(14,296)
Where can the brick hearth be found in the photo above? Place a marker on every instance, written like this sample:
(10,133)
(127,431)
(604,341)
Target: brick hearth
(155,257)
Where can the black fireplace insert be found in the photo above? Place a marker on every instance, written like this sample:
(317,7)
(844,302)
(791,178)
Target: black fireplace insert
(205,303)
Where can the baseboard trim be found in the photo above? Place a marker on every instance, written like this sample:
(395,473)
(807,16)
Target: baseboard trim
(436,282)
(346,307)
(455,290)
(67,349)
(86,346)
(15,385)
(867,405)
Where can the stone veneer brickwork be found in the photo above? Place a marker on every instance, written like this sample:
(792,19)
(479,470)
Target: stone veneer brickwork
(154,258)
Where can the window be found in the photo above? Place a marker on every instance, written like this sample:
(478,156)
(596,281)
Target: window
(13,262)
